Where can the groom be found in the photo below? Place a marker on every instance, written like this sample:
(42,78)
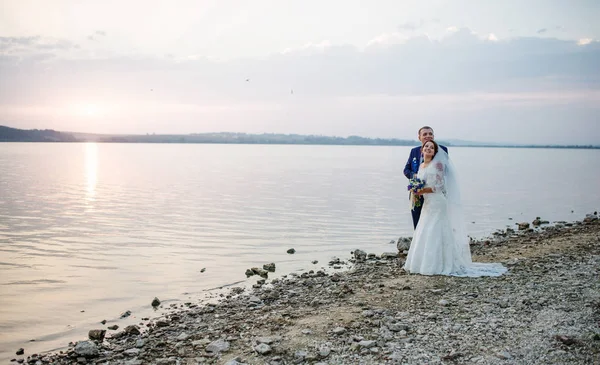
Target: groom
(413,163)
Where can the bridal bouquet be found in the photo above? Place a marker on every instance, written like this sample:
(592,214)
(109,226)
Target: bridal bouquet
(415,184)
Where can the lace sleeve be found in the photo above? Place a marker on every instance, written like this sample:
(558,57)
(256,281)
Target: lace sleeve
(439,183)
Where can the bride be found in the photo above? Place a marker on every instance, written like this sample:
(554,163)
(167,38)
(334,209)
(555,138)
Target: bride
(440,245)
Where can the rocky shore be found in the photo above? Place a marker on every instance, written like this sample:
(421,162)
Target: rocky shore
(546,310)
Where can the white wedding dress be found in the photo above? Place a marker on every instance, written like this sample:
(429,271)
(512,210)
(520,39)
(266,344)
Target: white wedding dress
(440,245)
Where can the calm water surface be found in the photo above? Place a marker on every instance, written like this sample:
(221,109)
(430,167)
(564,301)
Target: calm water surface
(88,231)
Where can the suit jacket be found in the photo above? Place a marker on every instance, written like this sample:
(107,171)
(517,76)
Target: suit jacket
(414,161)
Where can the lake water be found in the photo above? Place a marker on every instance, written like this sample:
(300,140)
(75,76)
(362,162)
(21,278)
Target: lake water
(88,231)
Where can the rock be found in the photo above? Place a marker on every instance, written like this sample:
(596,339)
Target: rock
(300,355)
(269,267)
(397,327)
(262,349)
(218,346)
(257,271)
(504,355)
(254,300)
(140,343)
(182,336)
(20,351)
(389,255)
(338,331)
(360,255)
(97,335)
(443,302)
(125,314)
(565,340)
(113,327)
(324,351)
(155,302)
(523,225)
(132,330)
(200,343)
(261,272)
(103,321)
(203,269)
(291,251)
(367,344)
(131,352)
(403,244)
(167,361)
(236,361)
(237,290)
(314,262)
(268,340)
(86,349)
(452,356)
(134,362)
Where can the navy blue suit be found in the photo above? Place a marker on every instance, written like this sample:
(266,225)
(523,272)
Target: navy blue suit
(410,170)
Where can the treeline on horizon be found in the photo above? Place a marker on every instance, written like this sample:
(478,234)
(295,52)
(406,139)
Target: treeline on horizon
(8,134)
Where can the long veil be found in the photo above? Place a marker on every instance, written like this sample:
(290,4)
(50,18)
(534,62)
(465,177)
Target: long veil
(457,222)
(454,208)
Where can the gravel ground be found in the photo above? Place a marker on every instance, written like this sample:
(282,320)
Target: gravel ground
(546,310)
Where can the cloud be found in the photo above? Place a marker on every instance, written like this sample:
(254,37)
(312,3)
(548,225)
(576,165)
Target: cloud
(98,33)
(386,39)
(33,49)
(584,41)
(410,26)
(19,40)
(309,47)
(462,76)
(390,64)
(492,37)
(543,30)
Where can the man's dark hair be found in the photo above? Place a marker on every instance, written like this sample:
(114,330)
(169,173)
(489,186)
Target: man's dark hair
(424,127)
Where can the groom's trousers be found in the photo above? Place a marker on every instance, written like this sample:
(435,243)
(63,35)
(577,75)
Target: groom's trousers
(416,214)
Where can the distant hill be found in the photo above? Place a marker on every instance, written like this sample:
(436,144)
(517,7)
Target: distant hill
(8,134)
(34,135)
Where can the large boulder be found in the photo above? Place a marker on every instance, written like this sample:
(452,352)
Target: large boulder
(97,335)
(403,244)
(218,346)
(360,255)
(86,349)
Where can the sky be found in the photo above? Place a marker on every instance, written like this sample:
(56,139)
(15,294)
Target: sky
(507,71)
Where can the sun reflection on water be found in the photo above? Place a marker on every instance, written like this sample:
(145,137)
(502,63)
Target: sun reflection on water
(91,170)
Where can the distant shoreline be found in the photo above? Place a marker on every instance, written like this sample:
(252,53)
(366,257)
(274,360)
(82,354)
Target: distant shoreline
(318,144)
(8,134)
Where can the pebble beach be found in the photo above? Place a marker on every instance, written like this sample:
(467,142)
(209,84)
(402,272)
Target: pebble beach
(545,310)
